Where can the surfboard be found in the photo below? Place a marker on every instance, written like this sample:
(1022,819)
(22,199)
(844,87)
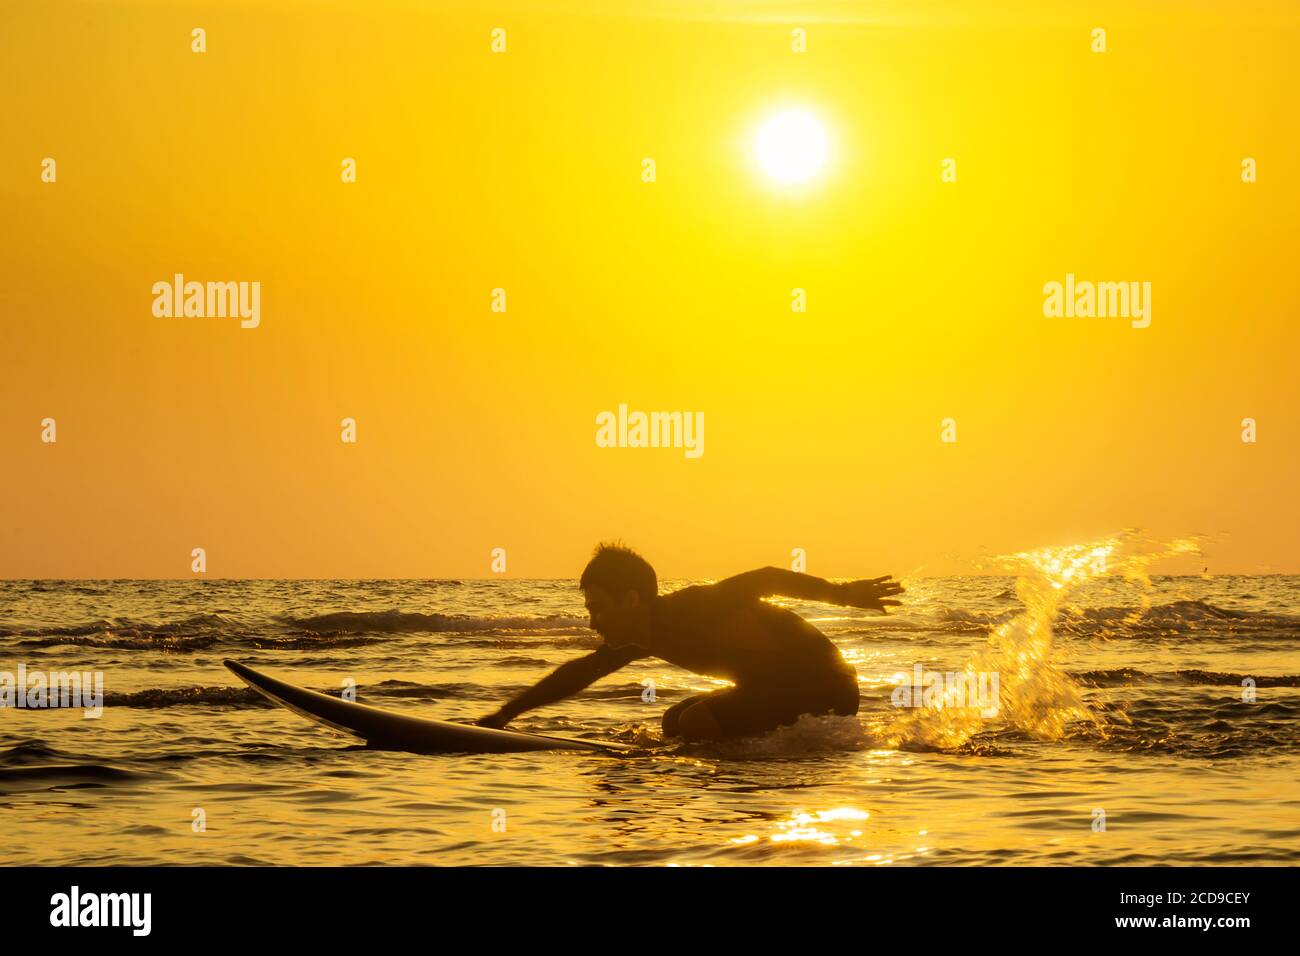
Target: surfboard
(386,730)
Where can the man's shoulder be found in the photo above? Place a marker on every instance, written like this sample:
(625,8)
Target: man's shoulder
(687,595)
(681,593)
(700,597)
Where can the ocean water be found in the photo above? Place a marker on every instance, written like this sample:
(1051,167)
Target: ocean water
(1125,731)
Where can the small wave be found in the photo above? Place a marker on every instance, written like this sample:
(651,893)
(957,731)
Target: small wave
(156,698)
(315,642)
(30,752)
(408,622)
(960,620)
(49,587)
(1175,618)
(35,764)
(197,632)
(563,641)
(1122,676)
(174,643)
(401,689)
(1214,728)
(89,774)
(126,626)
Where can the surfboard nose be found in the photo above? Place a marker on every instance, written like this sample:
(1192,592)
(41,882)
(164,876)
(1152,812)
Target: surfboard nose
(237,668)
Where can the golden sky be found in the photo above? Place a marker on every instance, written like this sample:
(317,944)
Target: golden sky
(522,170)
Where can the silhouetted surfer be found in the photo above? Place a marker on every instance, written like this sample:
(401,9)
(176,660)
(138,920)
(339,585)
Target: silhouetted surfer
(782,666)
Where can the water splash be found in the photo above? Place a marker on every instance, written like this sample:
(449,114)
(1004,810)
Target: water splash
(1034,694)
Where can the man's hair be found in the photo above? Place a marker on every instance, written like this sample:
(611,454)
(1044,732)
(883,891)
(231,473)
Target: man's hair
(618,569)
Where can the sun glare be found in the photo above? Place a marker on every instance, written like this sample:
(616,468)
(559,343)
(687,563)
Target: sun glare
(791,146)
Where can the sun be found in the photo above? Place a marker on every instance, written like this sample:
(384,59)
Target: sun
(792,146)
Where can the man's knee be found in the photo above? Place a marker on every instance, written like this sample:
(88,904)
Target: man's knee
(698,723)
(847,702)
(673,714)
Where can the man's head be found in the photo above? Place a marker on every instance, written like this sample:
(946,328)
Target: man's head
(619,586)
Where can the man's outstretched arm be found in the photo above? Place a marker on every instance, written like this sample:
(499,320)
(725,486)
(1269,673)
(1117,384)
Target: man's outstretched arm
(871,593)
(564,681)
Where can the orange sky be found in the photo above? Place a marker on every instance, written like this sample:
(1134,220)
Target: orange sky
(522,170)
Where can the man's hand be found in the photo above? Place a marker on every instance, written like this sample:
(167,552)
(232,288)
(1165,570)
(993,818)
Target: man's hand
(564,681)
(496,721)
(873,594)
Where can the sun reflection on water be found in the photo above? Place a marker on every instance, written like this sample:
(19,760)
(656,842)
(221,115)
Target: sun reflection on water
(805,827)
